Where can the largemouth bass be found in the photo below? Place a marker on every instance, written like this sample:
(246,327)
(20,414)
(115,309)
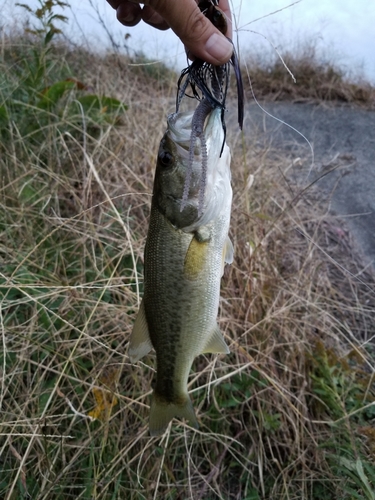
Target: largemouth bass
(184,258)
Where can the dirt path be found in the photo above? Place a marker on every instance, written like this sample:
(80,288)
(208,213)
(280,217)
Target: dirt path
(343,139)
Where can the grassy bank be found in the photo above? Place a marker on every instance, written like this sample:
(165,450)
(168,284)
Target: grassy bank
(287,415)
(305,76)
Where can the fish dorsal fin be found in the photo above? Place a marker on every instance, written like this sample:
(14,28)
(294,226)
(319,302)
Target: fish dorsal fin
(216,343)
(140,342)
(228,253)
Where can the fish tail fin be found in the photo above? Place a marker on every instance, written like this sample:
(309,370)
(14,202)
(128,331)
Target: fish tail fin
(161,413)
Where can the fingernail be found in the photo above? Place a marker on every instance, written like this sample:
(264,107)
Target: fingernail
(219,47)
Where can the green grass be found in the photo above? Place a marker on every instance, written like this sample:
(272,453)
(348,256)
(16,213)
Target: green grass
(287,415)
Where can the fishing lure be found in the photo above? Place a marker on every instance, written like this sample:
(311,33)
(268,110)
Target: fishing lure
(209,85)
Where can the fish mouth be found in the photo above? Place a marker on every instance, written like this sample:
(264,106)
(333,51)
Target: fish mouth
(207,172)
(180,129)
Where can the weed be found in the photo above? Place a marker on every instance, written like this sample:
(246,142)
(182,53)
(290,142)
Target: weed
(40,100)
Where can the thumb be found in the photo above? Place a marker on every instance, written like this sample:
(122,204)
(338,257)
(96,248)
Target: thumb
(196,32)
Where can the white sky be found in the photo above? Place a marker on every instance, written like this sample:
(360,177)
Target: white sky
(344,30)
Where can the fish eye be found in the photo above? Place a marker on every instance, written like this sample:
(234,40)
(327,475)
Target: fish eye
(165,158)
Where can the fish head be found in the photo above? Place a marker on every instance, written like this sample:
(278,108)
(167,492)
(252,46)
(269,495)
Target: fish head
(174,160)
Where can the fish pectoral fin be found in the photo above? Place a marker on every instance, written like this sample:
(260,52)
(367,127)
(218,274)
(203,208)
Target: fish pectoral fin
(140,342)
(195,258)
(161,413)
(228,253)
(216,343)
(203,234)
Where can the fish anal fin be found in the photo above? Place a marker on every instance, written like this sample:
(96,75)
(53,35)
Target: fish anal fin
(161,413)
(195,258)
(216,343)
(140,342)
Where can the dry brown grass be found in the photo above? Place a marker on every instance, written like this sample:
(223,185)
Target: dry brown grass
(279,415)
(316,79)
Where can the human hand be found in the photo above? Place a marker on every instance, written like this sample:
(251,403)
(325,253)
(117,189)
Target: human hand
(197,33)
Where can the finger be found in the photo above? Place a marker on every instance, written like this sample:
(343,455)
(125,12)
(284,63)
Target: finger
(127,13)
(115,3)
(197,33)
(150,16)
